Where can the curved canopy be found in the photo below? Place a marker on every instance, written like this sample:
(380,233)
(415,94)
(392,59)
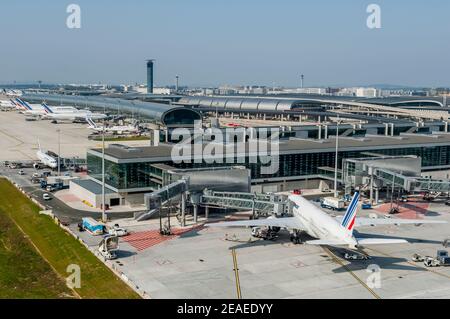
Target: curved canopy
(169,115)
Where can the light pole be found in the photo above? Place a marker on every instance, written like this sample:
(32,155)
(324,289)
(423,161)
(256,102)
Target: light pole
(336,159)
(104,218)
(59,152)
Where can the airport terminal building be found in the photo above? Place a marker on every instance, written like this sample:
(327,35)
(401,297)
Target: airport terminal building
(141,169)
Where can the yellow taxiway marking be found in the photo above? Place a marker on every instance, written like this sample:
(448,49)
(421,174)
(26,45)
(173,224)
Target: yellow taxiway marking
(339,261)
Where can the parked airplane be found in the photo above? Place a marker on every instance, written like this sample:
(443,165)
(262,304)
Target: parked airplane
(328,230)
(39,109)
(71,116)
(50,160)
(7,104)
(115,129)
(12,93)
(29,109)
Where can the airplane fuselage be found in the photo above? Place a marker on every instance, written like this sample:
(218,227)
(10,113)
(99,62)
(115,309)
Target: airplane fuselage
(319,224)
(47,159)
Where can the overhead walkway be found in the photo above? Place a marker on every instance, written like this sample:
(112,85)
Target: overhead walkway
(161,197)
(261,204)
(412,183)
(380,171)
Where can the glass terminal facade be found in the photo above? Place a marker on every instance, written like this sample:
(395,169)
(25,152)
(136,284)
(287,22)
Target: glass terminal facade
(139,175)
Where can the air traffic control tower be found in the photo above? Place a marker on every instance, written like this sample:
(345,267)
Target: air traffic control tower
(150,76)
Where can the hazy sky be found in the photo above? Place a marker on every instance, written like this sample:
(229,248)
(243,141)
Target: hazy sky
(214,42)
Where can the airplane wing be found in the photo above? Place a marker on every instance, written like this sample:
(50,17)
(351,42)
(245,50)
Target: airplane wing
(360,241)
(361,221)
(286,222)
(380,241)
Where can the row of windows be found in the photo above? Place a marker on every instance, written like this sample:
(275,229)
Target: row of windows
(140,175)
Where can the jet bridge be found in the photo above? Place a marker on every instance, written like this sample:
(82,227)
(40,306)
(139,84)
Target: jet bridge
(260,204)
(182,185)
(412,183)
(397,172)
(154,201)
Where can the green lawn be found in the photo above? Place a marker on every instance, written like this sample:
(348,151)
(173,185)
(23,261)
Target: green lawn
(25,269)
(23,272)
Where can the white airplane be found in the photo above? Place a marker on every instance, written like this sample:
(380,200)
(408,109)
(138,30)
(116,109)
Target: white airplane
(29,109)
(7,104)
(328,230)
(45,158)
(116,128)
(13,93)
(71,116)
(39,109)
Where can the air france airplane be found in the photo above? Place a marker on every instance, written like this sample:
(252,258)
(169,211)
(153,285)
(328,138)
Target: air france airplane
(34,109)
(71,116)
(328,230)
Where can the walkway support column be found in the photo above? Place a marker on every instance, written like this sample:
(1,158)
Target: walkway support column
(183,209)
(195,213)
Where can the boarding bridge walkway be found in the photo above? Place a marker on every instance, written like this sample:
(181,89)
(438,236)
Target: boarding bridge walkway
(160,197)
(411,183)
(260,204)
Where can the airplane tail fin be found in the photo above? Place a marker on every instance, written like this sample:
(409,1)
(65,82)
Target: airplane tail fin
(17,105)
(91,122)
(46,108)
(23,104)
(348,222)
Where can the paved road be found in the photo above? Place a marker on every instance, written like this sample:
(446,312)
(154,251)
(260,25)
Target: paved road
(64,212)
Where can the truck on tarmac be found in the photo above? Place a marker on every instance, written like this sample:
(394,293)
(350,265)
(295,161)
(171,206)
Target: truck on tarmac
(92,226)
(442,259)
(332,203)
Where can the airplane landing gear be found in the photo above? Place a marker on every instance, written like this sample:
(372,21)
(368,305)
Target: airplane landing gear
(296,237)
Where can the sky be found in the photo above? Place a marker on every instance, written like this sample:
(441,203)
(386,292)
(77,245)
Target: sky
(227,42)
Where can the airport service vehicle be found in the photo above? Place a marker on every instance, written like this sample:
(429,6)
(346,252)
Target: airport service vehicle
(71,116)
(417,258)
(12,165)
(264,233)
(108,247)
(21,172)
(93,226)
(117,231)
(355,256)
(328,230)
(366,205)
(46,196)
(442,259)
(297,192)
(332,203)
(119,129)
